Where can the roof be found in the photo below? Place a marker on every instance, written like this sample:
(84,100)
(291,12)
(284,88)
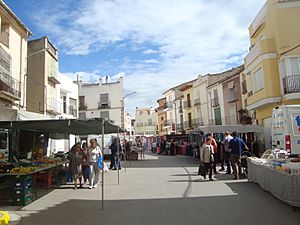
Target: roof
(181,85)
(221,77)
(13,15)
(59,129)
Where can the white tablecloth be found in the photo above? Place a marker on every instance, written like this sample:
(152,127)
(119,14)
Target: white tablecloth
(284,186)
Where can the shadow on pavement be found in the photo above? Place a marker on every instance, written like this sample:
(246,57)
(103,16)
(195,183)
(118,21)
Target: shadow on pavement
(250,205)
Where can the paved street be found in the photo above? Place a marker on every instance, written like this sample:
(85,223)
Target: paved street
(162,190)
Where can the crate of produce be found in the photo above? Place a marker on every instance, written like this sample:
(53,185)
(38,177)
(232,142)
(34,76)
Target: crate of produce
(19,192)
(23,184)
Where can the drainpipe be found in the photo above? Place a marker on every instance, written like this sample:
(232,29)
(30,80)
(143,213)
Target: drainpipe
(20,76)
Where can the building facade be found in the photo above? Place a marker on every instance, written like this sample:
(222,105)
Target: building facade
(272,66)
(102,100)
(161,117)
(145,122)
(13,53)
(43,93)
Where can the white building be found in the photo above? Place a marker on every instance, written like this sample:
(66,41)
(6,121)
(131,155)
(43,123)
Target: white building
(129,127)
(145,122)
(102,100)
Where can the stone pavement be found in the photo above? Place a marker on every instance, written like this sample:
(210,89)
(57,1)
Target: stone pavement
(162,190)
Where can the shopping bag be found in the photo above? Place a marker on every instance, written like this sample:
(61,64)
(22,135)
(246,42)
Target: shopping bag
(201,170)
(100,159)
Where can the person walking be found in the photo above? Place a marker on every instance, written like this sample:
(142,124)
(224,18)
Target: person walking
(236,145)
(115,150)
(85,162)
(207,158)
(127,150)
(215,152)
(227,151)
(75,164)
(94,154)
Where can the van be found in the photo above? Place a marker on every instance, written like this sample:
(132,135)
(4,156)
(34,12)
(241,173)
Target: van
(286,128)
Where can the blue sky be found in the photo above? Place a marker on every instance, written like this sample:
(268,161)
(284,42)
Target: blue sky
(153,44)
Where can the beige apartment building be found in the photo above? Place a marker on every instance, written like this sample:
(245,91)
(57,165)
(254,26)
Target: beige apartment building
(43,93)
(161,116)
(145,122)
(272,66)
(13,53)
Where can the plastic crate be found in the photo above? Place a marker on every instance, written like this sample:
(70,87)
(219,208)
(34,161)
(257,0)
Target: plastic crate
(23,184)
(23,200)
(20,192)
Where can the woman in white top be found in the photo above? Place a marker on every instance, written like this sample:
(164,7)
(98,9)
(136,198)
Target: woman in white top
(207,158)
(94,153)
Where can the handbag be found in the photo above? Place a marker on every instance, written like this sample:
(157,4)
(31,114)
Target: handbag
(201,170)
(100,160)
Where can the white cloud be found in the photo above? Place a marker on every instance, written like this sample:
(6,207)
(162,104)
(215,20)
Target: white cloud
(193,37)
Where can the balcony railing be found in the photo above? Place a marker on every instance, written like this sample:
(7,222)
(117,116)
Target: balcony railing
(231,95)
(187,104)
(54,106)
(197,122)
(179,126)
(291,84)
(180,109)
(149,124)
(168,105)
(4,38)
(139,124)
(103,105)
(82,107)
(73,111)
(197,101)
(244,87)
(215,102)
(10,86)
(188,124)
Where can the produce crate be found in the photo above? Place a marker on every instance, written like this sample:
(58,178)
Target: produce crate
(22,193)
(44,179)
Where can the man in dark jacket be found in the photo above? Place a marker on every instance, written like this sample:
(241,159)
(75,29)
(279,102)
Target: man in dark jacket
(236,145)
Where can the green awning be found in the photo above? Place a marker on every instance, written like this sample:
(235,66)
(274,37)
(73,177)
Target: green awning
(59,129)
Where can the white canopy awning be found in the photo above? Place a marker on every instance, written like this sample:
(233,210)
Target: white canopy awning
(230,128)
(20,115)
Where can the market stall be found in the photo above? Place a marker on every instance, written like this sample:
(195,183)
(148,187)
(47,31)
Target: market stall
(280,177)
(24,169)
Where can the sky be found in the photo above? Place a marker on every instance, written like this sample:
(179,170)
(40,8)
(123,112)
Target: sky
(153,44)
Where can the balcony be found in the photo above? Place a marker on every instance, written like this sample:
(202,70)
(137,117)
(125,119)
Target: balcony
(197,122)
(167,123)
(9,87)
(4,38)
(139,124)
(82,107)
(103,105)
(254,52)
(180,109)
(217,121)
(72,111)
(54,106)
(244,87)
(188,124)
(168,105)
(179,126)
(291,84)
(187,104)
(197,101)
(52,77)
(149,124)
(232,96)
(215,102)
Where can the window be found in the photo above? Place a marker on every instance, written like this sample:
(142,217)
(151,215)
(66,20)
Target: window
(82,103)
(104,114)
(82,115)
(104,99)
(64,104)
(188,100)
(290,66)
(258,80)
(162,118)
(150,122)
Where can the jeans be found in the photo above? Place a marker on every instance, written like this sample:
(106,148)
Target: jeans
(94,174)
(117,163)
(215,162)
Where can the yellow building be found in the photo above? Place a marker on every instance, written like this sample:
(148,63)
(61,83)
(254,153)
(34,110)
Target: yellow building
(187,92)
(272,66)
(13,52)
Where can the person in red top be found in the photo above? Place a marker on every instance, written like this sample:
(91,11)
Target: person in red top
(215,145)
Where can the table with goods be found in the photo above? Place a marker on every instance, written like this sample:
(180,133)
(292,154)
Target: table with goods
(26,175)
(278,174)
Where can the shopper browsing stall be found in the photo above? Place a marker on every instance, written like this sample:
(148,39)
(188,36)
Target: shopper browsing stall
(85,162)
(207,158)
(75,164)
(94,154)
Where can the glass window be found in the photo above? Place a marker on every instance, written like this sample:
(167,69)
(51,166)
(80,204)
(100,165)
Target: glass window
(258,80)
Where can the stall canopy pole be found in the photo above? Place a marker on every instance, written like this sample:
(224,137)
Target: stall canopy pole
(102,169)
(118,152)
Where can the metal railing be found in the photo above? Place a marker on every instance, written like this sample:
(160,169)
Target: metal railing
(102,105)
(197,101)
(188,124)
(10,85)
(82,107)
(179,126)
(187,104)
(197,122)
(54,105)
(168,105)
(73,111)
(215,102)
(291,84)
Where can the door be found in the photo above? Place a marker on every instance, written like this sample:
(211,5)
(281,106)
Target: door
(218,119)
